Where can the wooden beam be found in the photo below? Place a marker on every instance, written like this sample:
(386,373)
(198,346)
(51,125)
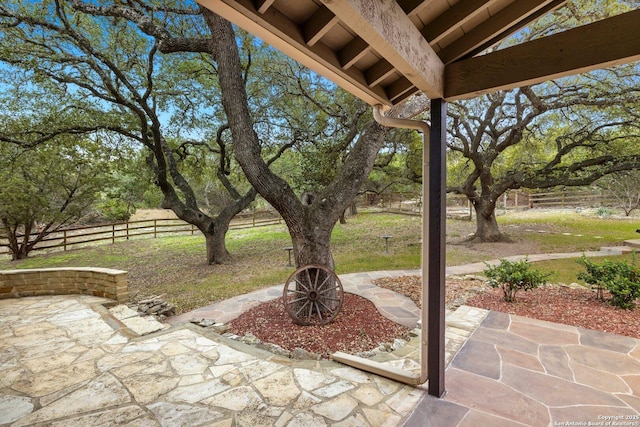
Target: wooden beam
(517,26)
(398,88)
(280,32)
(263,5)
(412,7)
(459,14)
(501,21)
(378,72)
(385,27)
(354,51)
(318,25)
(413,91)
(600,44)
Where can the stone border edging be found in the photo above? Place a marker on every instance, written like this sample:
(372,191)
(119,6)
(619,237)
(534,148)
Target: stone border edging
(100,282)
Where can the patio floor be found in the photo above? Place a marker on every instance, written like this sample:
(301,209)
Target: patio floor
(68,361)
(517,371)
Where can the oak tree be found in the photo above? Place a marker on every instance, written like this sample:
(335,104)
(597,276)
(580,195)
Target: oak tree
(124,87)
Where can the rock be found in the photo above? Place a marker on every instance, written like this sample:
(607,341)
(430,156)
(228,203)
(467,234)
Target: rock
(397,343)
(367,354)
(220,328)
(154,309)
(251,339)
(153,306)
(458,302)
(384,347)
(202,322)
(302,354)
(231,336)
(275,349)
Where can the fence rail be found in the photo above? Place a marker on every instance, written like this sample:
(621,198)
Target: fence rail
(74,237)
(570,199)
(405,202)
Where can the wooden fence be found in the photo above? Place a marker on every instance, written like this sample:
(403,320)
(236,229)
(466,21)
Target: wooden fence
(458,205)
(570,199)
(74,237)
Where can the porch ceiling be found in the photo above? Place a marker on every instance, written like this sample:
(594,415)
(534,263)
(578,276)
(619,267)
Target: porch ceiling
(384,51)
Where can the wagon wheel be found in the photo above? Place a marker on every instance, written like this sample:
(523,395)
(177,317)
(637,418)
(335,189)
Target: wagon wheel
(313,295)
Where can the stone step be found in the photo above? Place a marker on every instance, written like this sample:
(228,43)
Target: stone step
(132,320)
(618,250)
(633,243)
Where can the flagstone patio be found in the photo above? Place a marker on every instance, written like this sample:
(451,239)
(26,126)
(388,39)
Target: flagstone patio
(518,371)
(68,361)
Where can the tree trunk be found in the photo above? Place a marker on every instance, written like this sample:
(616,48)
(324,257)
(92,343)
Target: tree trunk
(21,253)
(486,224)
(217,252)
(353,209)
(312,245)
(343,217)
(215,229)
(18,250)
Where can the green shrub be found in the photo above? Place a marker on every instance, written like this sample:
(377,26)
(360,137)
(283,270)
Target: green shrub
(621,279)
(603,212)
(116,210)
(512,277)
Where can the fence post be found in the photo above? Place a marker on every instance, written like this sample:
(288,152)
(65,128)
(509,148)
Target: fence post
(127,228)
(155,228)
(113,234)
(193,229)
(64,239)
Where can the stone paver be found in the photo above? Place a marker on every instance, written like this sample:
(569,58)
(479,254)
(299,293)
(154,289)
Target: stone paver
(184,375)
(562,377)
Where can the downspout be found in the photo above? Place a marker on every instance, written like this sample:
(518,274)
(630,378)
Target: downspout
(379,368)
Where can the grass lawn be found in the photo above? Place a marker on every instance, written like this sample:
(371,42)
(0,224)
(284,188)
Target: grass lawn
(566,270)
(175,266)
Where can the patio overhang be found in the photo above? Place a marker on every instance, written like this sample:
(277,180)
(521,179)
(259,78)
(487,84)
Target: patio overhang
(385,51)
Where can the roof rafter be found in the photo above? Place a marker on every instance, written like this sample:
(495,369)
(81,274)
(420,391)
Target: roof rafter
(507,20)
(381,51)
(280,32)
(263,5)
(459,14)
(354,51)
(319,24)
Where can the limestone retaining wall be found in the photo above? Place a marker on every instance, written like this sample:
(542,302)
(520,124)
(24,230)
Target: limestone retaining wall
(101,282)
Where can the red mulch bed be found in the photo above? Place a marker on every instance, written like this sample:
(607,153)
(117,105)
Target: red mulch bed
(575,306)
(559,304)
(358,327)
